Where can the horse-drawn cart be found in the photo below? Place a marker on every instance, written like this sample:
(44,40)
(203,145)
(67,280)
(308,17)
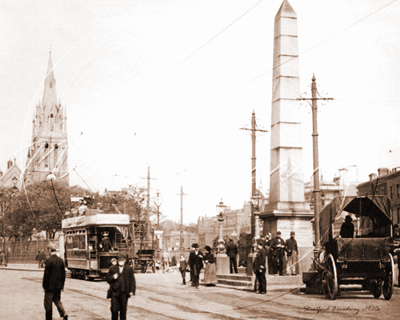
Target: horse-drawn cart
(365,259)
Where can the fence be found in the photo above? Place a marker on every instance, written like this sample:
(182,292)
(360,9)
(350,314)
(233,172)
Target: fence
(26,251)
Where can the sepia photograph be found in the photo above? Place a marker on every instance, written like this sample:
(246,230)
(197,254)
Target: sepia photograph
(187,159)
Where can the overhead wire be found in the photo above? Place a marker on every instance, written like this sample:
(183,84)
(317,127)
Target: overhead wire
(319,43)
(203,45)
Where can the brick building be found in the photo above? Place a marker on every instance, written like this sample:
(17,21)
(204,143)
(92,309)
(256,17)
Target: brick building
(386,182)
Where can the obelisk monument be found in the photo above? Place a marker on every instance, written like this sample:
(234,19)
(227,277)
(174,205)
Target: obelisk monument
(287,211)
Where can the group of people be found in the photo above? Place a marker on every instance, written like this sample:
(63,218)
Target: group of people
(277,250)
(196,262)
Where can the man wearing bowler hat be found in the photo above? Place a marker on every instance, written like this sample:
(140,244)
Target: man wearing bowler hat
(53,283)
(196,264)
(122,285)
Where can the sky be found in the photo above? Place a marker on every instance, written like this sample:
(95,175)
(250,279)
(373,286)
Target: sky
(168,84)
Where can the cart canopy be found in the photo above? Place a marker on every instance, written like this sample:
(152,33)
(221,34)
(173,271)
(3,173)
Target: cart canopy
(377,208)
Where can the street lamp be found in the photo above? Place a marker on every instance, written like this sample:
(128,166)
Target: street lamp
(221,243)
(158,202)
(255,200)
(51,177)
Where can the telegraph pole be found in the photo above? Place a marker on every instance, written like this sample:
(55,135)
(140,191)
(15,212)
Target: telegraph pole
(181,233)
(253,166)
(148,205)
(317,190)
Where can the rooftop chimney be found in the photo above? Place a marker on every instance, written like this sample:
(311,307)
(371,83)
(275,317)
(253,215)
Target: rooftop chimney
(383,172)
(372,176)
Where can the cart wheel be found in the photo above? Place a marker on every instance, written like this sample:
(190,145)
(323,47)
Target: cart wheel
(331,278)
(388,283)
(376,287)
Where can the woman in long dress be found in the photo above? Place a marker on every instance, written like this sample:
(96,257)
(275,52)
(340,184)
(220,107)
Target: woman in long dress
(210,271)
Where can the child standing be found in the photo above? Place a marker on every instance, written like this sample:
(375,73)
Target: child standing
(182,268)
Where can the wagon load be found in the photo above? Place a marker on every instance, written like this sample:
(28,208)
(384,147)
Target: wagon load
(363,259)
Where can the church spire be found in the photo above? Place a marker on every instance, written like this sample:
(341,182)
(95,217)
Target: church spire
(49,93)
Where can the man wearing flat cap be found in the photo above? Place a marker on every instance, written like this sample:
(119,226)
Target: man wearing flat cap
(53,283)
(277,252)
(259,267)
(196,264)
(122,285)
(292,254)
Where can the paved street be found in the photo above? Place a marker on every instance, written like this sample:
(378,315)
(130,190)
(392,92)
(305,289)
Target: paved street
(161,296)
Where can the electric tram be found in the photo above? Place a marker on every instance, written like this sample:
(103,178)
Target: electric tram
(93,239)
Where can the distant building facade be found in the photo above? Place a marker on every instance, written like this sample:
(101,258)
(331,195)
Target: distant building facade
(48,153)
(237,221)
(171,240)
(339,186)
(12,177)
(207,229)
(386,182)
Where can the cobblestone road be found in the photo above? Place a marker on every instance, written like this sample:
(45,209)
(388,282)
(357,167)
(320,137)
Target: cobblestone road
(161,296)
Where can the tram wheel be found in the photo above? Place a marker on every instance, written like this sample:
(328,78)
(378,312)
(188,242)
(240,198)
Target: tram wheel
(388,283)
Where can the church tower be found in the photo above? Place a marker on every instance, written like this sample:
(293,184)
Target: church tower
(48,153)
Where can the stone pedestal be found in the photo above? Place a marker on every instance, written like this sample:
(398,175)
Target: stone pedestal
(250,260)
(300,223)
(222,264)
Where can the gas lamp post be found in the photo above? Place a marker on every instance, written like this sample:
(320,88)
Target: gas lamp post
(221,243)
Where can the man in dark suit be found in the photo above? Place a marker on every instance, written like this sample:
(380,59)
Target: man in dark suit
(347,228)
(232,251)
(259,267)
(292,251)
(122,284)
(196,264)
(53,283)
(278,248)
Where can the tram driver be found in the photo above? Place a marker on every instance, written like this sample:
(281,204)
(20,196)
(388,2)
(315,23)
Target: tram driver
(105,243)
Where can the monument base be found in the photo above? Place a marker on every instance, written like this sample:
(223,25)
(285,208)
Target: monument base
(292,216)
(249,268)
(222,264)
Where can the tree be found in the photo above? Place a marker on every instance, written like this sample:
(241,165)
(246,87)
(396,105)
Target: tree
(6,207)
(40,207)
